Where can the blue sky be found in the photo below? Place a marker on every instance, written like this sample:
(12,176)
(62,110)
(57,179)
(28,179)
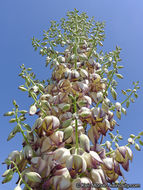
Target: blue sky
(21,20)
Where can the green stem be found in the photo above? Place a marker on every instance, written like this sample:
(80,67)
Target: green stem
(38,104)
(21,130)
(76,124)
(107,87)
(28,187)
(127,98)
(108,153)
(94,44)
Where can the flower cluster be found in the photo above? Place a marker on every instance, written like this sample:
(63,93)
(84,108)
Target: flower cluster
(62,150)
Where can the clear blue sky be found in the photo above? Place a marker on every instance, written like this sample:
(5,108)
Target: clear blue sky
(20,20)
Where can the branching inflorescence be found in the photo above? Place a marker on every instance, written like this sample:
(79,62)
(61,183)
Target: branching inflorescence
(64,149)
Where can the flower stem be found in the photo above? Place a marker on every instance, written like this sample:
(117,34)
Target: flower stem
(21,130)
(113,72)
(20,176)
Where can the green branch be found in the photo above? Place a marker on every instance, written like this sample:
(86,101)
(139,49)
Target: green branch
(20,176)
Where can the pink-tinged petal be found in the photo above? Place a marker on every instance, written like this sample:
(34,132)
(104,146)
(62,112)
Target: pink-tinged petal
(108,163)
(123,151)
(84,142)
(102,175)
(69,163)
(95,156)
(130,154)
(46,144)
(117,168)
(61,155)
(57,137)
(125,165)
(96,177)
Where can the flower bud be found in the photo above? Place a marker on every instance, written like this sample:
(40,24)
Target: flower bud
(76,164)
(118,106)
(92,159)
(68,132)
(50,123)
(98,176)
(83,73)
(77,183)
(61,155)
(32,109)
(33,176)
(84,142)
(18,187)
(28,152)
(57,137)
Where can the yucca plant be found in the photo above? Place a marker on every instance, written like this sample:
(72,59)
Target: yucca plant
(65,149)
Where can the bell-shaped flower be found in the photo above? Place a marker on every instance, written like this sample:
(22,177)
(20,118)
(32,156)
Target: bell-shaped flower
(66,116)
(61,155)
(41,166)
(64,107)
(46,144)
(61,98)
(84,142)
(96,96)
(111,169)
(60,180)
(98,176)
(50,123)
(27,152)
(93,160)
(83,183)
(74,75)
(85,114)
(57,137)
(79,88)
(47,97)
(83,73)
(64,85)
(122,155)
(84,101)
(93,134)
(103,126)
(76,164)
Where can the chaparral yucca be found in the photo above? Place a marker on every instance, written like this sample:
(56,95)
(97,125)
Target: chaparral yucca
(65,148)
